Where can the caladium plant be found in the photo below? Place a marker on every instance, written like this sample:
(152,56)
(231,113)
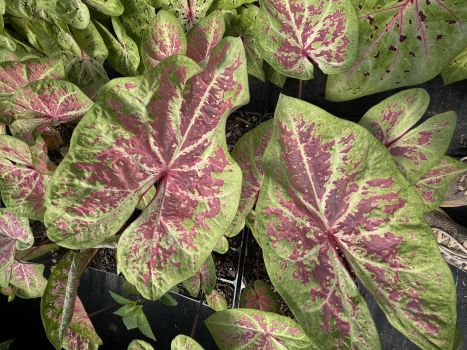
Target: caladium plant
(333,205)
(259,296)
(401,43)
(457,69)
(204,279)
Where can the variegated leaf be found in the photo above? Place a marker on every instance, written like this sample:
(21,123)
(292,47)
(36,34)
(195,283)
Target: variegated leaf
(15,74)
(216,300)
(28,280)
(164,38)
(138,344)
(274,76)
(222,246)
(80,334)
(43,103)
(166,127)
(189,12)
(232,4)
(123,51)
(259,296)
(137,17)
(456,70)
(333,200)
(107,7)
(183,342)
(204,279)
(58,301)
(401,43)
(416,150)
(204,36)
(248,153)
(433,185)
(294,34)
(254,329)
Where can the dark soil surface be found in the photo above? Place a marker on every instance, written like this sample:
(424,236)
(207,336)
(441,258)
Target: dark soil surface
(105,260)
(238,124)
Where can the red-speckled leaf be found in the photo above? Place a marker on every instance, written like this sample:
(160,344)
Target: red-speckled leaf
(248,153)
(415,151)
(259,296)
(433,185)
(204,36)
(137,17)
(80,334)
(204,279)
(333,199)
(43,103)
(402,43)
(216,300)
(189,12)
(28,280)
(58,301)
(15,75)
(294,34)
(193,285)
(183,342)
(166,127)
(254,329)
(456,70)
(164,38)
(22,178)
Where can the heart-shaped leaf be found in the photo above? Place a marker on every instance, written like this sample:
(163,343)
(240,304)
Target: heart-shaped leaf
(14,75)
(254,329)
(107,7)
(415,151)
(456,70)
(137,17)
(216,300)
(183,342)
(248,152)
(43,103)
(259,296)
(165,127)
(433,185)
(204,279)
(204,36)
(138,344)
(28,280)
(189,12)
(333,201)
(163,39)
(295,33)
(401,43)
(58,301)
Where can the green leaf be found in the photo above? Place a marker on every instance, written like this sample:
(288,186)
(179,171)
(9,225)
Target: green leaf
(204,279)
(5,345)
(138,344)
(36,252)
(168,300)
(456,70)
(222,246)
(164,38)
(402,43)
(294,34)
(131,319)
(232,4)
(107,7)
(183,342)
(216,300)
(119,299)
(259,296)
(253,329)
(332,197)
(28,280)
(58,301)
(127,310)
(274,76)
(143,325)
(137,17)
(189,12)
(123,51)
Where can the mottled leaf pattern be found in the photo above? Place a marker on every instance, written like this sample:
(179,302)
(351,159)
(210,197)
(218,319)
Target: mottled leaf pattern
(137,17)
(204,279)
(58,301)
(189,12)
(163,39)
(43,103)
(232,4)
(216,300)
(332,197)
(28,280)
(222,246)
(456,70)
(165,127)
(254,329)
(183,342)
(433,185)
(107,7)
(295,33)
(415,151)
(401,43)
(204,36)
(259,296)
(138,344)
(248,153)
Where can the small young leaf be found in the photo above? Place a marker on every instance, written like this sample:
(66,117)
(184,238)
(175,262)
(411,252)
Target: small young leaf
(274,76)
(131,319)
(222,246)
(119,299)
(143,325)
(294,34)
(28,280)
(189,12)
(216,300)
(254,329)
(168,300)
(107,7)
(138,344)
(183,342)
(58,301)
(193,285)
(127,310)
(402,43)
(456,70)
(137,17)
(259,296)
(164,38)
